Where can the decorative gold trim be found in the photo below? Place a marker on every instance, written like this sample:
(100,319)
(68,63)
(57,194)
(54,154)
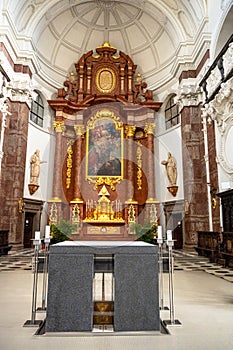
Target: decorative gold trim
(32,188)
(153,214)
(101,81)
(173,190)
(59,126)
(76,201)
(131,201)
(105,114)
(69,164)
(20,205)
(55,200)
(99,180)
(139,165)
(130,130)
(214,202)
(131,220)
(79,130)
(76,214)
(152,200)
(131,214)
(149,128)
(106,44)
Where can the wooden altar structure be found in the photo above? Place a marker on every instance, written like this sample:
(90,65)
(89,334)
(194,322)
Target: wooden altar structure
(104,177)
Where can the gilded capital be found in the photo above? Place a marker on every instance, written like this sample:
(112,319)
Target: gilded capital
(59,126)
(79,130)
(149,128)
(130,130)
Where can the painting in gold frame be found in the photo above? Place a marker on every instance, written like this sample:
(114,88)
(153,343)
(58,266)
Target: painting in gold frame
(104,148)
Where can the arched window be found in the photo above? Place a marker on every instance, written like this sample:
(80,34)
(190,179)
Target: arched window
(37,111)
(171,113)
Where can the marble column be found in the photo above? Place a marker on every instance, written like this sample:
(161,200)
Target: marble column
(129,131)
(149,129)
(79,130)
(57,179)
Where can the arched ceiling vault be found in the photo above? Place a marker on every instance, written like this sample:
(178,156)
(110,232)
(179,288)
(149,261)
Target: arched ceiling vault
(151,32)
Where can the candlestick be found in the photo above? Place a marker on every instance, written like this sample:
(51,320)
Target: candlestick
(160,232)
(37,235)
(47,231)
(169,235)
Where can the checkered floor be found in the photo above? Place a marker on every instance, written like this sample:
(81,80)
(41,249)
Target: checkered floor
(192,262)
(182,261)
(21,259)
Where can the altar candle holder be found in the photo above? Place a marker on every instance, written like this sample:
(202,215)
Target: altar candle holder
(33,322)
(170,244)
(45,269)
(161,291)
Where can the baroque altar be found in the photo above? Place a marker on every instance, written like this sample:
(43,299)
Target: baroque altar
(104,177)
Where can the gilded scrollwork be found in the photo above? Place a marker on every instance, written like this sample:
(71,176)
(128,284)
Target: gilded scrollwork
(104,113)
(69,164)
(139,166)
(110,181)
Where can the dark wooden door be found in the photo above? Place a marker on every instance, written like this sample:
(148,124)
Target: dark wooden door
(28,229)
(177,233)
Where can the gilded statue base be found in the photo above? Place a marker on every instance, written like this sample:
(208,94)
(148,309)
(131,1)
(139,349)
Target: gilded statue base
(33,188)
(173,190)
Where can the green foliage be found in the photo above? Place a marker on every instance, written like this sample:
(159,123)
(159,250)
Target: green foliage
(146,232)
(62,231)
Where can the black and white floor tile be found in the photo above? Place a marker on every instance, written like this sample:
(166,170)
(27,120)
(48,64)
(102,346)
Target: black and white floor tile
(192,262)
(17,260)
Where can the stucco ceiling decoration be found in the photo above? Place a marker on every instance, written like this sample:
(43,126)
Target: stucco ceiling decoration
(149,31)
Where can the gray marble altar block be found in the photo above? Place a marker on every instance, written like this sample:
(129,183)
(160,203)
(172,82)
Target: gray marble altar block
(70,286)
(69,304)
(136,304)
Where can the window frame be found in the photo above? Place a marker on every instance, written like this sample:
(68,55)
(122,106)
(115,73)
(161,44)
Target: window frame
(172,114)
(37,110)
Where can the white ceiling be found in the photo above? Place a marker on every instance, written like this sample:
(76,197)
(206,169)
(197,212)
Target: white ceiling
(151,32)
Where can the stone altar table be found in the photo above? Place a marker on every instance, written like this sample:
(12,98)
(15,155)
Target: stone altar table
(70,285)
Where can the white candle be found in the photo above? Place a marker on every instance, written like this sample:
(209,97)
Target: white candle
(169,235)
(37,235)
(47,231)
(160,232)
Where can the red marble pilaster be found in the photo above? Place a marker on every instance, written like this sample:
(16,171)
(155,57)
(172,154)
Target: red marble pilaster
(129,130)
(149,129)
(57,178)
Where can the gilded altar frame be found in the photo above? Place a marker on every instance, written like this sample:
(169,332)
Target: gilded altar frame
(104,149)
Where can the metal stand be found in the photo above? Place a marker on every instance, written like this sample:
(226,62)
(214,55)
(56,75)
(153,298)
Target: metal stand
(33,322)
(45,276)
(172,321)
(160,243)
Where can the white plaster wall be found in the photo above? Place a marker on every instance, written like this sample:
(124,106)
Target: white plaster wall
(217,12)
(169,141)
(42,139)
(224,177)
